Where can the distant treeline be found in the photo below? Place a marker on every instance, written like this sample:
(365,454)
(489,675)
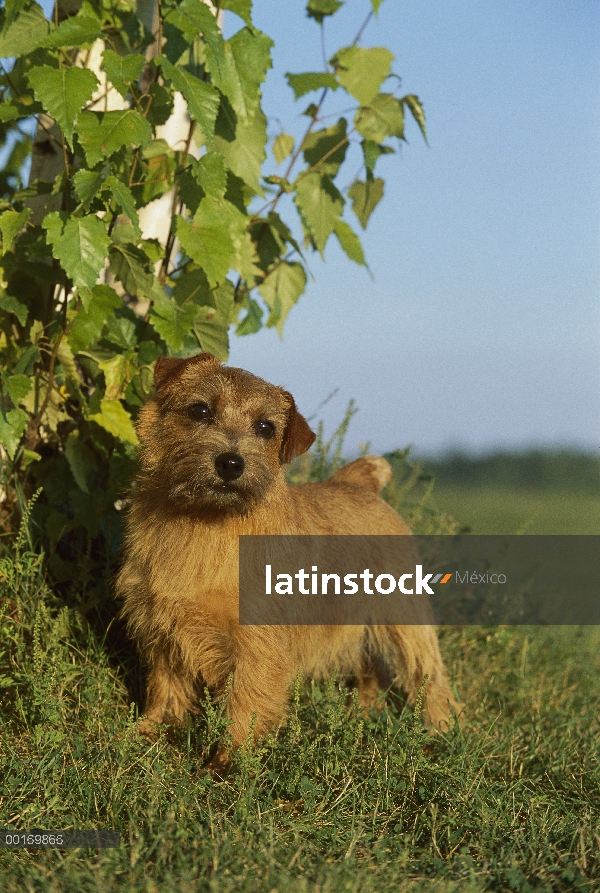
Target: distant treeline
(532,469)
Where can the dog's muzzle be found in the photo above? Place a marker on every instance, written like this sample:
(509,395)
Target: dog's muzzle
(229,466)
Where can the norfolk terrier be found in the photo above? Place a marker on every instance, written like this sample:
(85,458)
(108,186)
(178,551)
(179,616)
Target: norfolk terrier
(214,445)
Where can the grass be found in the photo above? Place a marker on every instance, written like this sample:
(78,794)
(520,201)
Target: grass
(333,801)
(496,509)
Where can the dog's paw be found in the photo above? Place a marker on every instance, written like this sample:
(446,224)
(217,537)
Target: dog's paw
(148,729)
(218,766)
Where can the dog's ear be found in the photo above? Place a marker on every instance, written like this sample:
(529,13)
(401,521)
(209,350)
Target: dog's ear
(165,368)
(168,367)
(298,437)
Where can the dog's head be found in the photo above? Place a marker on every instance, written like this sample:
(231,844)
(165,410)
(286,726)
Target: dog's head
(214,437)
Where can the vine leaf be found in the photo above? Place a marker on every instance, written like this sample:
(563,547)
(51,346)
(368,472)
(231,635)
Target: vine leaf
(383,117)
(102,133)
(173,323)
(81,246)
(207,241)
(362,71)
(87,325)
(25,32)
(242,8)
(115,419)
(281,289)
(122,71)
(326,149)
(350,242)
(311,80)
(202,99)
(63,92)
(242,146)
(78,31)
(365,198)
(417,112)
(11,224)
(283,146)
(318,9)
(320,204)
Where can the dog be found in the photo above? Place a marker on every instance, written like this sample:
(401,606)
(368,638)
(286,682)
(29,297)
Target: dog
(214,444)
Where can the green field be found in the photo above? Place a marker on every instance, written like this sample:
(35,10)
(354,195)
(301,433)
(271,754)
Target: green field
(334,800)
(496,509)
(533,492)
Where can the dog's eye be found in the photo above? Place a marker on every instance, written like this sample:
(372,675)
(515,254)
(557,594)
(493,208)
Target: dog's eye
(265,429)
(201,412)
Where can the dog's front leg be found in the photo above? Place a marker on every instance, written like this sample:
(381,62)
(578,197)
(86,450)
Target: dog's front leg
(262,677)
(170,695)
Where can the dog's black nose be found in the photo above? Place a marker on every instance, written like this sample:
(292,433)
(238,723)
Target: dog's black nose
(229,466)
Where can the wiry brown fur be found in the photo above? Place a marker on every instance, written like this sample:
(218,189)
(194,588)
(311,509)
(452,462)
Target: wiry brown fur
(179,581)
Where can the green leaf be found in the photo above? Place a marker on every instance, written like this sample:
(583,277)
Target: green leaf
(123,196)
(211,330)
(210,174)
(89,322)
(81,247)
(161,107)
(63,92)
(81,460)
(311,80)
(283,146)
(372,151)
(242,8)
(115,419)
(365,198)
(130,265)
(362,71)
(242,147)
(64,356)
(326,149)
(318,9)
(350,242)
(383,117)
(12,427)
(202,99)
(18,386)
(252,322)
(89,183)
(205,21)
(11,224)
(320,205)
(375,4)
(77,31)
(173,323)
(12,8)
(25,33)
(193,285)
(9,304)
(281,289)
(10,111)
(102,133)
(118,372)
(418,114)
(240,70)
(206,240)
(122,71)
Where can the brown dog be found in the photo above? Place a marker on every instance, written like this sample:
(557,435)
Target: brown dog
(214,442)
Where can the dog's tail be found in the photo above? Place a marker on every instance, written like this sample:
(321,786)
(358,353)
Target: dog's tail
(370,472)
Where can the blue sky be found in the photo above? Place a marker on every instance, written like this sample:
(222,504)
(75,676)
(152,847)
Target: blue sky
(480,328)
